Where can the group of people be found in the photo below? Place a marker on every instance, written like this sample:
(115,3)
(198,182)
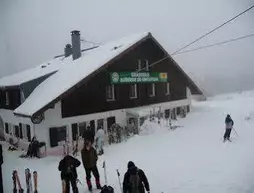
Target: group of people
(68,166)
(135,180)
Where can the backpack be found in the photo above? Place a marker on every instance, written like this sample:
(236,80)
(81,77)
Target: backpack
(107,189)
(134,182)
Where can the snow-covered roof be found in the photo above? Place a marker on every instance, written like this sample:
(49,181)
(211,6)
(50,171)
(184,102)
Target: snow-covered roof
(32,73)
(69,75)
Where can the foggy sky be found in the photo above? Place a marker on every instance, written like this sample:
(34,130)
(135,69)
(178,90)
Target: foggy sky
(34,31)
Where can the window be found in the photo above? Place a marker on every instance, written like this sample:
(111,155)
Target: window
(92,126)
(139,65)
(20,131)
(74,128)
(56,135)
(82,128)
(6,128)
(7,100)
(110,122)
(133,91)
(61,134)
(16,130)
(110,93)
(167,113)
(167,88)
(151,90)
(100,124)
(28,132)
(147,65)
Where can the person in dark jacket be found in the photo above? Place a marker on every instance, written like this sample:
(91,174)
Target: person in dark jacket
(135,180)
(33,148)
(1,163)
(89,159)
(229,125)
(68,166)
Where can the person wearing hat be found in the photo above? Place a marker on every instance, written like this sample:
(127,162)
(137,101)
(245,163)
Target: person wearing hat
(229,125)
(135,180)
(89,159)
(67,166)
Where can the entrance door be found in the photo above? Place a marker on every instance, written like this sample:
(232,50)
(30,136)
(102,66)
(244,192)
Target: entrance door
(2,129)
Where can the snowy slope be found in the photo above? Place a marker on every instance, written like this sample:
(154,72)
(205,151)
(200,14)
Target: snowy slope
(190,159)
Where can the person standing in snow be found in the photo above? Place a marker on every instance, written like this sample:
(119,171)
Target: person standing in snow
(69,175)
(89,159)
(1,163)
(99,140)
(229,125)
(135,180)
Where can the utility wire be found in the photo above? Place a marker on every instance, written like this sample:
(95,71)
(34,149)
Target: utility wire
(217,44)
(84,40)
(206,34)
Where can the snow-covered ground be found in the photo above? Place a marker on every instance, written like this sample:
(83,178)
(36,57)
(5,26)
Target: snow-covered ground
(189,159)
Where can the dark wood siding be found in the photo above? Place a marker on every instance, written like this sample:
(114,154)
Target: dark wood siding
(90,97)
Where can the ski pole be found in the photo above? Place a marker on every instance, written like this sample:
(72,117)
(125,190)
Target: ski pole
(105,172)
(235,132)
(78,181)
(118,174)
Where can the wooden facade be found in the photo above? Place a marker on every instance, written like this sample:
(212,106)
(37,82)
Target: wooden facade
(90,96)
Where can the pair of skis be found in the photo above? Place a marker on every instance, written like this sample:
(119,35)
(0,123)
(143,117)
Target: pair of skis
(29,186)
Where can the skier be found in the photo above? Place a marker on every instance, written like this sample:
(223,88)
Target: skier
(89,159)
(99,140)
(229,125)
(1,162)
(68,166)
(135,180)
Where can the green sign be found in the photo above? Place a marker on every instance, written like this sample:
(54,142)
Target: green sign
(138,77)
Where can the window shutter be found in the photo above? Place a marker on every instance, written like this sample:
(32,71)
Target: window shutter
(16,131)
(6,128)
(53,137)
(74,128)
(28,132)
(20,131)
